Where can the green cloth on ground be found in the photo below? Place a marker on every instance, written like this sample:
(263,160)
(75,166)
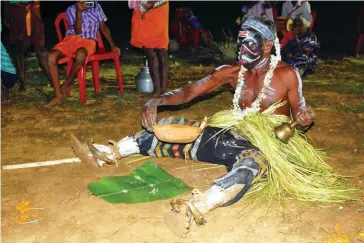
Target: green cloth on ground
(147,183)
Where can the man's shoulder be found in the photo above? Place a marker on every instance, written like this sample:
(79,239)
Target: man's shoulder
(72,8)
(286,73)
(283,67)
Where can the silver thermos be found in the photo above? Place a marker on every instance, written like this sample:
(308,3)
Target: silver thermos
(144,82)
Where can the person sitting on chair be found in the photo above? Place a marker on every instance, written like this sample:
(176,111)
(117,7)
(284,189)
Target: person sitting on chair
(300,51)
(183,21)
(85,19)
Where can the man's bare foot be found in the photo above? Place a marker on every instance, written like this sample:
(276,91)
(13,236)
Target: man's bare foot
(81,151)
(56,100)
(156,94)
(63,91)
(179,222)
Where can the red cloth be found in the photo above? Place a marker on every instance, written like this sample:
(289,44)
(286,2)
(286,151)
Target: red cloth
(72,43)
(152,31)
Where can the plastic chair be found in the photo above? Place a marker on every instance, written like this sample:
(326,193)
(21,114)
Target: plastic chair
(275,12)
(94,59)
(182,30)
(195,37)
(180,24)
(361,34)
(313,13)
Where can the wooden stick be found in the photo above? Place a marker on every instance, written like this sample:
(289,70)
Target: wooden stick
(209,168)
(40,164)
(135,160)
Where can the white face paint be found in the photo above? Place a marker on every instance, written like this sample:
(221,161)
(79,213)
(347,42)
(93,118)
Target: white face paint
(250,44)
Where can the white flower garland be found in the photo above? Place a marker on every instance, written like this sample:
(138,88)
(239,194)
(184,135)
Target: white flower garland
(255,106)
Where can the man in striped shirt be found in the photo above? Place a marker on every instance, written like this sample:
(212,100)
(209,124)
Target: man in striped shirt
(84,19)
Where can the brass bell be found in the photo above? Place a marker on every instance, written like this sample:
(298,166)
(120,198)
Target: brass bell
(285,131)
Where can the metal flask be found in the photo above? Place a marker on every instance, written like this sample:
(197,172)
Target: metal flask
(144,82)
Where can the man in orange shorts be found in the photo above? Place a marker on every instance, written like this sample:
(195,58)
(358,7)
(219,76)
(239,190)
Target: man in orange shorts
(85,18)
(150,32)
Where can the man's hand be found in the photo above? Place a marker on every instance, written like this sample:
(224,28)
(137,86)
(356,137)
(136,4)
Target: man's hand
(148,5)
(81,5)
(116,49)
(149,114)
(305,116)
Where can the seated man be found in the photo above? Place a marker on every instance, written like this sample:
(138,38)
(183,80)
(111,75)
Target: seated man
(293,10)
(300,51)
(84,21)
(242,159)
(185,20)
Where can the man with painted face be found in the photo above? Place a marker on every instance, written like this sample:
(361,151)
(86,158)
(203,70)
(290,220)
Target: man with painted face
(243,161)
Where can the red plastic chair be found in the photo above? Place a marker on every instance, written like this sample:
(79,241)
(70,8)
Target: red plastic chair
(94,59)
(361,35)
(313,13)
(194,35)
(182,30)
(275,12)
(180,25)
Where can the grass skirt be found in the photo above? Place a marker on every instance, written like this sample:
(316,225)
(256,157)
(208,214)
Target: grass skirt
(296,169)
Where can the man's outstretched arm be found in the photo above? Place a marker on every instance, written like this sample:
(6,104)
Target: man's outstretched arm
(187,93)
(301,112)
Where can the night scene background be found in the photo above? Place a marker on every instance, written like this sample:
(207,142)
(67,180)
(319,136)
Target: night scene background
(335,24)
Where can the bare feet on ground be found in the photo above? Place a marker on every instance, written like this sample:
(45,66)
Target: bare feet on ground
(81,151)
(56,100)
(179,222)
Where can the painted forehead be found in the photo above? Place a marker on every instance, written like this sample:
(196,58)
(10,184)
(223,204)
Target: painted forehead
(249,33)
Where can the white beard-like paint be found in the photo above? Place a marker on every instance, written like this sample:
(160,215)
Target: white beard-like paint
(243,57)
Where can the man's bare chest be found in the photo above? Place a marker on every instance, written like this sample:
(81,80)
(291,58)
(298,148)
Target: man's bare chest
(253,85)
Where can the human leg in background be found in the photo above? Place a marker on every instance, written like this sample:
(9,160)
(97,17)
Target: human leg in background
(162,55)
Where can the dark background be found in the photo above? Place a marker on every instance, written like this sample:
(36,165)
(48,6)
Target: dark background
(335,25)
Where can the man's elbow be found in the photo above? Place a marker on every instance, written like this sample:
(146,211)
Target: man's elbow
(104,28)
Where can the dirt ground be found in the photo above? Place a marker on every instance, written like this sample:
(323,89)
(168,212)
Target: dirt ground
(53,204)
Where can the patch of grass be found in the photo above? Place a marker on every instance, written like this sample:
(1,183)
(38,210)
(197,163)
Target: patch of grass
(228,48)
(318,101)
(357,89)
(349,108)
